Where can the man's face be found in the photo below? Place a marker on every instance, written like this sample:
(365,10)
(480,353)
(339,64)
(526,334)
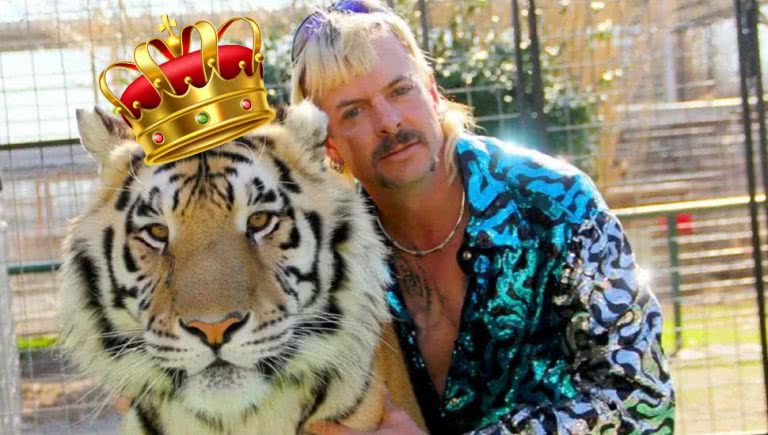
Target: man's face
(384,124)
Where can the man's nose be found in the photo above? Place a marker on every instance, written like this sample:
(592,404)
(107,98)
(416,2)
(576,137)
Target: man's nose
(388,116)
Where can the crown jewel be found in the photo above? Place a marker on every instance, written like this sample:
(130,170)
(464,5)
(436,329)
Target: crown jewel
(195,100)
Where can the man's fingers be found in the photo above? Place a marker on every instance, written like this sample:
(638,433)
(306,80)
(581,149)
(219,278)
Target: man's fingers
(389,404)
(122,404)
(327,428)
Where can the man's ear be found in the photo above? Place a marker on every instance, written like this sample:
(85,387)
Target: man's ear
(432,89)
(101,132)
(331,150)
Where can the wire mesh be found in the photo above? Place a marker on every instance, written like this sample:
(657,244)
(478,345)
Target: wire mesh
(642,95)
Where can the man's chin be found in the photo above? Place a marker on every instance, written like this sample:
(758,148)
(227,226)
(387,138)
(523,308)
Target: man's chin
(404,176)
(223,390)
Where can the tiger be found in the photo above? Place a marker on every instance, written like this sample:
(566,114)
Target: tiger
(237,291)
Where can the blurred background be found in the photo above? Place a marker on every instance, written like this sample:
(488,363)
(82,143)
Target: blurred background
(660,101)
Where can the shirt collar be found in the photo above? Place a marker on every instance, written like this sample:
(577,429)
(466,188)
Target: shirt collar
(495,218)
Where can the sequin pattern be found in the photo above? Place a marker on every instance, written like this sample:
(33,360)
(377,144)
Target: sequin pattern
(556,335)
(617,365)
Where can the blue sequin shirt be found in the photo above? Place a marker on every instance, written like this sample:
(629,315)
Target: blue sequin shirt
(557,335)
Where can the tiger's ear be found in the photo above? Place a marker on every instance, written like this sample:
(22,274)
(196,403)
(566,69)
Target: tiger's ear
(101,132)
(309,125)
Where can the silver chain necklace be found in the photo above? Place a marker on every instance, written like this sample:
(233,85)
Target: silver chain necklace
(441,245)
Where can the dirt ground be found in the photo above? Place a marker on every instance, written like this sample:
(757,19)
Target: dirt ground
(718,378)
(726,397)
(60,405)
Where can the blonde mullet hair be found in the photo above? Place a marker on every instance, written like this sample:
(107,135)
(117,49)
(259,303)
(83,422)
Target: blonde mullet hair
(341,48)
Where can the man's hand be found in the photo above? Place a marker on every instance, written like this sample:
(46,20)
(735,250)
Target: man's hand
(395,422)
(122,404)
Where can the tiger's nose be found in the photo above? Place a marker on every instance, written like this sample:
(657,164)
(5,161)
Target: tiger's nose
(217,333)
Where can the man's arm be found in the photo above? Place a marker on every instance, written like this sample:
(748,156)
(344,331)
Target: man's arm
(614,333)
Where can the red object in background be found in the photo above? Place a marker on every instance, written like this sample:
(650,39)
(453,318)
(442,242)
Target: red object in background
(684,223)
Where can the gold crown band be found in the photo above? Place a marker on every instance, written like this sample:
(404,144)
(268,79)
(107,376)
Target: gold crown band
(198,141)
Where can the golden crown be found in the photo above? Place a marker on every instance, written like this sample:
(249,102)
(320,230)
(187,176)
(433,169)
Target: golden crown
(195,100)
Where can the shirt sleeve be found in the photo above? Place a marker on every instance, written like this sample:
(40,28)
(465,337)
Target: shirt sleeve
(613,339)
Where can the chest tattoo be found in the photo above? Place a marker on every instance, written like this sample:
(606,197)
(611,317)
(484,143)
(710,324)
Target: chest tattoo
(412,278)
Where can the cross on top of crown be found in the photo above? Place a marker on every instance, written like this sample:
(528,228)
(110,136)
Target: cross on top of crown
(166,25)
(173,41)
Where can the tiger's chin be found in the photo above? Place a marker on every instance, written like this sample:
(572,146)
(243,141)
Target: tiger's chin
(224,389)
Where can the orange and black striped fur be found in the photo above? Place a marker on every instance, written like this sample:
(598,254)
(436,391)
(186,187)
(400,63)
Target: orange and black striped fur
(238,291)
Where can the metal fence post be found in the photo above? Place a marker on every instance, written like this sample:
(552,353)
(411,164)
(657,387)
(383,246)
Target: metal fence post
(747,39)
(520,85)
(532,119)
(674,278)
(10,393)
(539,121)
(424,26)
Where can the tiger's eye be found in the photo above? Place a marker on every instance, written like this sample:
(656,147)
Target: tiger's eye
(158,232)
(257,221)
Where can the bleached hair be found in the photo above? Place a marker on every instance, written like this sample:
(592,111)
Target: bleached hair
(342,48)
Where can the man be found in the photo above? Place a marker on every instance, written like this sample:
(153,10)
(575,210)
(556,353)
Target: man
(516,300)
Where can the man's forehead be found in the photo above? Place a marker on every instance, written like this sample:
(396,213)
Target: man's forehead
(393,65)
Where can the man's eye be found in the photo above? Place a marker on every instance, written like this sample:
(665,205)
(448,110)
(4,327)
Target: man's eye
(402,90)
(351,113)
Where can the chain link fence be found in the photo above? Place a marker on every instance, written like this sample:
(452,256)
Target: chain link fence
(644,96)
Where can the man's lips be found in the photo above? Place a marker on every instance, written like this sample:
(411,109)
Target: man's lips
(399,149)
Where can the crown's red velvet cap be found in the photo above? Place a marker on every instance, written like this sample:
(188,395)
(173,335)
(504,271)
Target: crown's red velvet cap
(188,65)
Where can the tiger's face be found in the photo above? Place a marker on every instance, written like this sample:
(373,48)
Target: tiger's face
(219,279)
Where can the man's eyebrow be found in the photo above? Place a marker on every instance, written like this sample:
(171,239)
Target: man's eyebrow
(398,79)
(353,101)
